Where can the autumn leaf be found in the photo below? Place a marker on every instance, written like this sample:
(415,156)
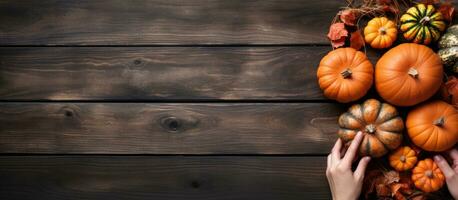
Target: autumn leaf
(383,190)
(337,34)
(448,10)
(450,91)
(419,197)
(356,40)
(348,16)
(391,177)
(432,2)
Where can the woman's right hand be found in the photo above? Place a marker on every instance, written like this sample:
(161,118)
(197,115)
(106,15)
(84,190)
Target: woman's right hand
(450,172)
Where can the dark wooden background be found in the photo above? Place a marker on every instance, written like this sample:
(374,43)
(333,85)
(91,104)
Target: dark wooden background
(154,99)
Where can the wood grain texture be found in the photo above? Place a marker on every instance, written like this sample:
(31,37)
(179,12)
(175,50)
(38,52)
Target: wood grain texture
(119,22)
(165,128)
(139,177)
(160,73)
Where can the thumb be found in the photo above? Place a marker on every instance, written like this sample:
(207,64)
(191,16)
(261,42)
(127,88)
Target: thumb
(444,166)
(362,165)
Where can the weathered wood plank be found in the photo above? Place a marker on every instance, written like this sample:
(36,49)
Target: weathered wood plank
(119,22)
(166,128)
(139,177)
(80,73)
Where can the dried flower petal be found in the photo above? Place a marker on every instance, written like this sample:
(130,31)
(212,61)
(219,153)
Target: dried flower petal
(348,17)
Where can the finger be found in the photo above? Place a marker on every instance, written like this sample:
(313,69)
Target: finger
(444,166)
(336,151)
(361,169)
(351,152)
(453,154)
(329,162)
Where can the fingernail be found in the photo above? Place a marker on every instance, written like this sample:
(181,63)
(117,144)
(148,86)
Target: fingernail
(367,158)
(359,133)
(437,158)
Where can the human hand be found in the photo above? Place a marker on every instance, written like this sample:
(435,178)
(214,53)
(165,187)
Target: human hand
(450,172)
(344,183)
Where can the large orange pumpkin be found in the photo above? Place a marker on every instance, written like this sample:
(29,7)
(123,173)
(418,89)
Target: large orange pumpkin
(427,176)
(433,126)
(380,123)
(345,75)
(408,74)
(403,158)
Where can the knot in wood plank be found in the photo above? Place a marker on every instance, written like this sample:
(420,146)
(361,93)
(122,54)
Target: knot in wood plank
(171,124)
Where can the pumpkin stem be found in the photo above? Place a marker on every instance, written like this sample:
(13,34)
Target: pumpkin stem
(370,128)
(402,158)
(429,174)
(413,72)
(346,73)
(425,20)
(382,30)
(439,122)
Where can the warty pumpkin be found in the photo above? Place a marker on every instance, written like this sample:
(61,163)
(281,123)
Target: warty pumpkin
(345,75)
(408,74)
(427,176)
(403,158)
(433,126)
(448,48)
(380,123)
(422,24)
(380,32)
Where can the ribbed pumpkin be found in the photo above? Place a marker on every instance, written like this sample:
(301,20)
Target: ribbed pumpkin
(403,158)
(427,176)
(433,126)
(345,75)
(380,123)
(380,32)
(422,24)
(408,74)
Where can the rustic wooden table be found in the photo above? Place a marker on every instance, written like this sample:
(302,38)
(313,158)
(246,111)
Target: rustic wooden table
(164,99)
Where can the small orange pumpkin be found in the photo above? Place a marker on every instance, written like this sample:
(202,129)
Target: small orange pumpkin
(427,176)
(433,126)
(403,158)
(408,74)
(345,75)
(380,32)
(380,123)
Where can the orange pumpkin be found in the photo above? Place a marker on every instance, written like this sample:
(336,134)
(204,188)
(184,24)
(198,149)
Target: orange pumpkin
(403,158)
(427,176)
(380,32)
(345,75)
(408,74)
(433,126)
(380,123)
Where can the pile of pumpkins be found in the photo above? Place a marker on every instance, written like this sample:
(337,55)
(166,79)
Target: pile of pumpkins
(406,75)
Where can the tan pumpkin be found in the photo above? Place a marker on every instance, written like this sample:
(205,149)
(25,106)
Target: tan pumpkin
(380,32)
(345,75)
(433,126)
(403,158)
(380,123)
(427,176)
(408,74)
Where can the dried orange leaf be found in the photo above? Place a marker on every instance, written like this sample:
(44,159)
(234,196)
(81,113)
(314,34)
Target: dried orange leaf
(356,40)
(348,16)
(448,10)
(337,34)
